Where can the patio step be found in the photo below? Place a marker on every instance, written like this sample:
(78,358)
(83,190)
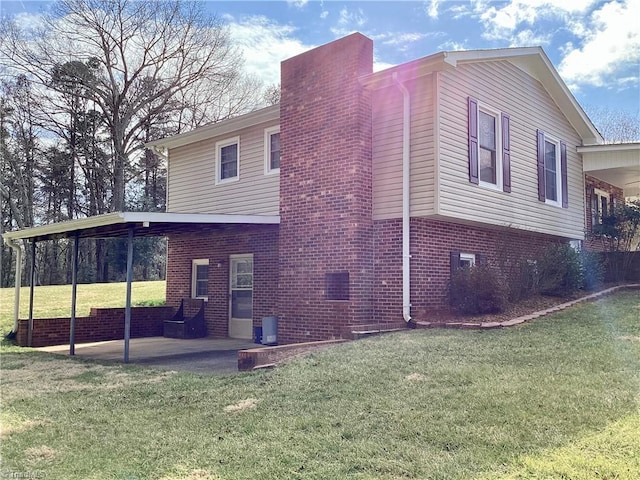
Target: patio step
(354,332)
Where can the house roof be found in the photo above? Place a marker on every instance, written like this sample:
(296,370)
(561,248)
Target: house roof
(532,60)
(224,127)
(143,223)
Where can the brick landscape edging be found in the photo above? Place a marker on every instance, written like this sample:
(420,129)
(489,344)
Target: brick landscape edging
(526,318)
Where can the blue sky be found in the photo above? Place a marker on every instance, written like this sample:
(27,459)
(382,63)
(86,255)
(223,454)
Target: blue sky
(595,45)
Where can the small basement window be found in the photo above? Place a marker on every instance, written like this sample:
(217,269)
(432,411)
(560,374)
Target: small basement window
(337,286)
(467,260)
(461,260)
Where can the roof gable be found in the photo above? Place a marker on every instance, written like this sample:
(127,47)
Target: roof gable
(532,60)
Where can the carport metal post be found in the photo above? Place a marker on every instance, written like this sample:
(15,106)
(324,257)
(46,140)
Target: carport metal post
(32,282)
(74,291)
(127,312)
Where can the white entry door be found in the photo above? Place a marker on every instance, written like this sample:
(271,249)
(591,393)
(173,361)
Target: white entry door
(241,296)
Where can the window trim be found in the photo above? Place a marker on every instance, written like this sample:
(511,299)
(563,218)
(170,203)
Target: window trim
(456,257)
(562,177)
(195,263)
(497,116)
(219,146)
(268,132)
(467,257)
(558,201)
(503,146)
(597,215)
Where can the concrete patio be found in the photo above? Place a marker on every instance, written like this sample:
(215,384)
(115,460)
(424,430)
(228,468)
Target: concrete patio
(199,355)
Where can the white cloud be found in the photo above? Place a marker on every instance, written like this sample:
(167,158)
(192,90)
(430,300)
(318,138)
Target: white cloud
(503,21)
(528,38)
(452,46)
(264,45)
(610,50)
(431,8)
(349,22)
(297,3)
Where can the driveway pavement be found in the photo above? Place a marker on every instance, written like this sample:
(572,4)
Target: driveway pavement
(199,355)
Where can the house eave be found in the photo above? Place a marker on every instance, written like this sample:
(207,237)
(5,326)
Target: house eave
(225,127)
(117,224)
(532,60)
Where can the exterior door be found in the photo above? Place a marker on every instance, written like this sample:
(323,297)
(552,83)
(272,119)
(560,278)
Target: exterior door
(241,296)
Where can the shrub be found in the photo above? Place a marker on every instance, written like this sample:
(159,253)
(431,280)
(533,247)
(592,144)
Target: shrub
(559,270)
(523,282)
(592,270)
(477,290)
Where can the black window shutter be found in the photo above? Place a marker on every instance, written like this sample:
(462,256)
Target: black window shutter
(472,125)
(481,260)
(506,155)
(563,169)
(454,261)
(541,183)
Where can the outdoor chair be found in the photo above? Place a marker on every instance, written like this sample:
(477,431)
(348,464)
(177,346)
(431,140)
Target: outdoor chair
(188,321)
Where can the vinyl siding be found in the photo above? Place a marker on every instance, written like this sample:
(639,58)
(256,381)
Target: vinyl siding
(504,87)
(191,174)
(387,150)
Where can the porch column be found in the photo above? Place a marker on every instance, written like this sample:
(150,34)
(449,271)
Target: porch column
(74,290)
(31,290)
(127,313)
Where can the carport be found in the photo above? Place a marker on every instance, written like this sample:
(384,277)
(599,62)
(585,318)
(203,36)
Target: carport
(119,224)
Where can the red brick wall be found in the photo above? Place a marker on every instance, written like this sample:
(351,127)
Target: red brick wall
(216,244)
(101,325)
(325,189)
(431,243)
(614,192)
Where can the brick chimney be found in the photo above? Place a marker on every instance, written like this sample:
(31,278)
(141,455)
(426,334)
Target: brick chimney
(325,191)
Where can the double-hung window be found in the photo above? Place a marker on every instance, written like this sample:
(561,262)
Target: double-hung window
(272,150)
(489,147)
(599,207)
(227,160)
(200,278)
(552,171)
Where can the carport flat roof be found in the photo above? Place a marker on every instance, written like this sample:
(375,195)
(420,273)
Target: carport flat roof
(143,224)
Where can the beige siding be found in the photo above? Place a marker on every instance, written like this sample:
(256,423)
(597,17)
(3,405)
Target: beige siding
(387,150)
(504,87)
(192,188)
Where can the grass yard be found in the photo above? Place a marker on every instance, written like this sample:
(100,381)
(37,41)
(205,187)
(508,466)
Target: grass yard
(558,398)
(55,300)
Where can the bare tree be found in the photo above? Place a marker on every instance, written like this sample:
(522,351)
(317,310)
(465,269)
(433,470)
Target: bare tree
(148,58)
(616,126)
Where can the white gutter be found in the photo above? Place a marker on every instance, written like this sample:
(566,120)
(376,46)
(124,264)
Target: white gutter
(15,244)
(406,196)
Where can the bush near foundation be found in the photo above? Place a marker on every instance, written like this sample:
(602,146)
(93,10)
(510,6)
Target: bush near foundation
(476,290)
(559,270)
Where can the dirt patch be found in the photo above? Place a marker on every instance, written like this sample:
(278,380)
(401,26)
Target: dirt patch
(40,454)
(242,405)
(12,425)
(41,376)
(630,338)
(415,377)
(198,474)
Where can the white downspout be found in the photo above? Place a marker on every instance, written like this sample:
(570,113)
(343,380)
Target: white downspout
(17,247)
(406,196)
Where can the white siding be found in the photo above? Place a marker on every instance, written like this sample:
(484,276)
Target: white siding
(387,150)
(503,86)
(191,178)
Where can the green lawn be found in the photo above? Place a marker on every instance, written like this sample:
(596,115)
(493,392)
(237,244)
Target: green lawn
(558,398)
(55,300)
